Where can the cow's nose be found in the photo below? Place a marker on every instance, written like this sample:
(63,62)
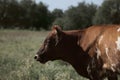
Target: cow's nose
(36,56)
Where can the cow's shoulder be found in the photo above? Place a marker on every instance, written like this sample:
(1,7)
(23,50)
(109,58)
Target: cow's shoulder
(89,36)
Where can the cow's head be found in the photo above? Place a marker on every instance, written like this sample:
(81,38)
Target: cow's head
(50,46)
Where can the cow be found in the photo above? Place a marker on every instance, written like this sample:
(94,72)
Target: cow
(93,52)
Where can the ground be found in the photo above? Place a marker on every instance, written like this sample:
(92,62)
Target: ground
(17,51)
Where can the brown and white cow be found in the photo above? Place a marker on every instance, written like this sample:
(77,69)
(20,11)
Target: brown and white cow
(93,52)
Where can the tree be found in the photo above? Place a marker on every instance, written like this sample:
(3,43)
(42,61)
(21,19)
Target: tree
(59,21)
(3,9)
(36,16)
(9,13)
(78,17)
(25,14)
(108,13)
(57,13)
(41,17)
(26,17)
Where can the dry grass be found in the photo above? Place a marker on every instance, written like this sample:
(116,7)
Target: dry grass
(17,49)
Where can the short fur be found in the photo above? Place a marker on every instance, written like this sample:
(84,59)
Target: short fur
(93,52)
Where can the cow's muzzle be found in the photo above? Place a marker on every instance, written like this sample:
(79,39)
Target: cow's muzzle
(41,59)
(36,57)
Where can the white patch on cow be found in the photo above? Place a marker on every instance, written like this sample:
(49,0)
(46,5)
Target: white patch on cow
(118,30)
(113,67)
(101,37)
(105,66)
(98,53)
(118,43)
(106,51)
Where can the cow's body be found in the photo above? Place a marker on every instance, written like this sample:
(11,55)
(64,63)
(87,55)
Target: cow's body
(93,52)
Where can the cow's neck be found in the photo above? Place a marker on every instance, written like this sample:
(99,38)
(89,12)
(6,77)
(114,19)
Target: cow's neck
(76,57)
(80,63)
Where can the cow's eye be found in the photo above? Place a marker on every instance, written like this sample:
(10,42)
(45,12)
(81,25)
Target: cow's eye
(50,43)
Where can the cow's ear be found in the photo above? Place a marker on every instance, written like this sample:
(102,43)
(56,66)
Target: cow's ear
(56,29)
(58,33)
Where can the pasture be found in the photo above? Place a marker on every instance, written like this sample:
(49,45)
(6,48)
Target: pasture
(17,51)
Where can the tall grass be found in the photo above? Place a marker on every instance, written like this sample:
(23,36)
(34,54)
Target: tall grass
(17,50)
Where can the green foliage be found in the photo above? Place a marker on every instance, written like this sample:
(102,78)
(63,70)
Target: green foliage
(59,21)
(57,13)
(78,17)
(108,13)
(17,51)
(24,14)
(41,19)
(9,12)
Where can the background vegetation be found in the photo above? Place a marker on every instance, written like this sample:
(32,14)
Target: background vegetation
(17,51)
(26,14)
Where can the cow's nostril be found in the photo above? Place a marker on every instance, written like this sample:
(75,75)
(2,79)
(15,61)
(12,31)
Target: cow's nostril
(35,57)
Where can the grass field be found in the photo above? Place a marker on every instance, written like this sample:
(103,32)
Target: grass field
(17,50)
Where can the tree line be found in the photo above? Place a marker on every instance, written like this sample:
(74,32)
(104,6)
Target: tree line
(26,14)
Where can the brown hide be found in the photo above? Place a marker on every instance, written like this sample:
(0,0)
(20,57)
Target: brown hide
(89,37)
(108,45)
(93,52)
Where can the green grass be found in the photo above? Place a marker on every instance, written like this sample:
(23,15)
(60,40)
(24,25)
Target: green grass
(17,50)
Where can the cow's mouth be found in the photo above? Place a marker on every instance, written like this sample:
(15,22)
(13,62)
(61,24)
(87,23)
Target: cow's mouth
(43,61)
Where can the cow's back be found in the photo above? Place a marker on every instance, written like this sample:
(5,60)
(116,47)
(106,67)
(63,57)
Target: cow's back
(108,47)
